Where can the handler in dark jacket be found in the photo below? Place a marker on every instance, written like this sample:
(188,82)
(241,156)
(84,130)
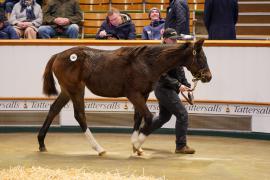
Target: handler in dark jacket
(166,91)
(220,17)
(178,16)
(117,26)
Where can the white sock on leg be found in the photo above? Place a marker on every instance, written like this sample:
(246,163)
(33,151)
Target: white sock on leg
(93,142)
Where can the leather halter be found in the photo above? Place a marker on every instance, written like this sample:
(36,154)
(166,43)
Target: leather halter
(190,98)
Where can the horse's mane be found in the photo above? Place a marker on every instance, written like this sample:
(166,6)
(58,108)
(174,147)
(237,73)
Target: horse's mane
(146,53)
(173,50)
(154,51)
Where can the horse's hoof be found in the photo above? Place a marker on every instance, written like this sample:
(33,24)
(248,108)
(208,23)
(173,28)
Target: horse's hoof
(42,149)
(138,151)
(102,153)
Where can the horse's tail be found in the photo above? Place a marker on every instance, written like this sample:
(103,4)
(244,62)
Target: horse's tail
(48,80)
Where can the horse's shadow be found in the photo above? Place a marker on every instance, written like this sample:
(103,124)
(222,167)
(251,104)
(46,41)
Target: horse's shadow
(149,153)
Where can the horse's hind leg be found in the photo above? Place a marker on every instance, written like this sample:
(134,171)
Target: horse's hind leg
(55,108)
(137,123)
(79,113)
(135,134)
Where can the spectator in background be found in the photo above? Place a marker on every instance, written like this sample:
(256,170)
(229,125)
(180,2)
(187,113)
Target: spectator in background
(6,30)
(61,17)
(220,17)
(117,26)
(156,27)
(26,17)
(8,5)
(178,16)
(2,8)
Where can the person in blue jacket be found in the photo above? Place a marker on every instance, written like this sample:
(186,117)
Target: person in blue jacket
(177,16)
(220,17)
(6,30)
(156,27)
(117,26)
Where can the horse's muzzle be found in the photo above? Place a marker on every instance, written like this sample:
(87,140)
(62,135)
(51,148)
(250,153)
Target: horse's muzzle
(206,76)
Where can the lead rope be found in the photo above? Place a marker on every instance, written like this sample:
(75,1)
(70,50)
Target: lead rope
(190,98)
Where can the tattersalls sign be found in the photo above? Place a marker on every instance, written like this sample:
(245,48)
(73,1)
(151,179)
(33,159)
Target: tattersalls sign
(260,113)
(108,105)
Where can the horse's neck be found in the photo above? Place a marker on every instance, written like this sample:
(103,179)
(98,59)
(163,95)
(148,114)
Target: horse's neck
(164,64)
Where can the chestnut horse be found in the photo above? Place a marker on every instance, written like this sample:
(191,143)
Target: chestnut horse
(126,72)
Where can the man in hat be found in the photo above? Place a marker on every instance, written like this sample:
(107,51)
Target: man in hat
(166,91)
(156,27)
(6,30)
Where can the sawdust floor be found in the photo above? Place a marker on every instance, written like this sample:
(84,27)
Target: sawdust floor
(215,157)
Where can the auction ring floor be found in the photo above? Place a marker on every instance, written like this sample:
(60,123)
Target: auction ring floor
(215,157)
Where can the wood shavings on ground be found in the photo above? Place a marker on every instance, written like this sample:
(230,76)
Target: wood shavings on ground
(39,173)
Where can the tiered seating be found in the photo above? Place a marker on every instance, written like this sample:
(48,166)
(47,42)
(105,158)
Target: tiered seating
(163,4)
(95,5)
(128,5)
(254,19)
(199,5)
(95,13)
(160,4)
(92,22)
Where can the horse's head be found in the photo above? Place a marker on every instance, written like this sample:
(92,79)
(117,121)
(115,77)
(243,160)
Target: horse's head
(197,64)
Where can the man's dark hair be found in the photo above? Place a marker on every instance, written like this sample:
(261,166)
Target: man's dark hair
(113,11)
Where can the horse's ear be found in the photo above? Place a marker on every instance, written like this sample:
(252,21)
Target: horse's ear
(198,45)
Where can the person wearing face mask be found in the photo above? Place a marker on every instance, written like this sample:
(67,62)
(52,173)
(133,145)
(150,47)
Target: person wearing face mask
(61,18)
(117,26)
(166,92)
(26,17)
(156,27)
(177,16)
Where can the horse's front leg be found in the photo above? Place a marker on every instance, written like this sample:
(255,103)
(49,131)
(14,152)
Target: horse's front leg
(55,108)
(79,113)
